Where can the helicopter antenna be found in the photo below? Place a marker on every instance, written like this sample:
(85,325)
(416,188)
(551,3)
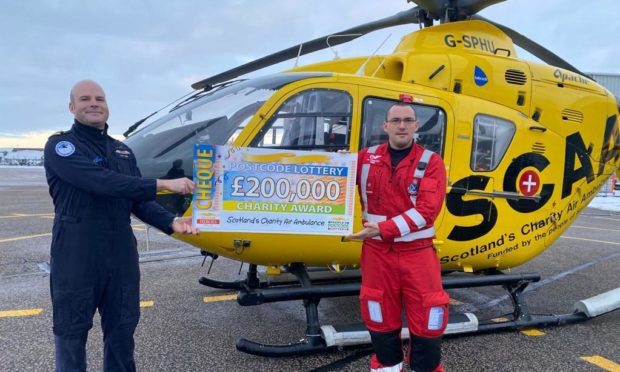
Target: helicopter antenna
(336,56)
(378,67)
(298,54)
(360,71)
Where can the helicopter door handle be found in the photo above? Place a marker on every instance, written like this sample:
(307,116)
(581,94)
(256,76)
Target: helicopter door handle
(538,128)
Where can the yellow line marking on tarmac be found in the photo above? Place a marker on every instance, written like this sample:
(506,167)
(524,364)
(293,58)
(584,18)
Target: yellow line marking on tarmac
(595,228)
(24,237)
(532,332)
(17,313)
(603,363)
(21,215)
(228,297)
(455,302)
(147,303)
(590,240)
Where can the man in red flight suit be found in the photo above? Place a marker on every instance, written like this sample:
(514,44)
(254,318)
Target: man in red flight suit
(402,188)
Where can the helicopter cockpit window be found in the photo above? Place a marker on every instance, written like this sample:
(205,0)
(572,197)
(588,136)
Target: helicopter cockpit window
(491,139)
(430,134)
(216,117)
(315,119)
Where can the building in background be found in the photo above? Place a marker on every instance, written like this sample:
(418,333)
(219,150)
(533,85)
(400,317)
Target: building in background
(609,81)
(18,156)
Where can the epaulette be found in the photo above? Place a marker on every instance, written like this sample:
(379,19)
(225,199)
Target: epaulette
(120,143)
(60,132)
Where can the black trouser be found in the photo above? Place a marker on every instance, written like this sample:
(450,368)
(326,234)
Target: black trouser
(94,265)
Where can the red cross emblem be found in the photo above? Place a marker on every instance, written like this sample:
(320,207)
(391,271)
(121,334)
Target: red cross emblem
(529,183)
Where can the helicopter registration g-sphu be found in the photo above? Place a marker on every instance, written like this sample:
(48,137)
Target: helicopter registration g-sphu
(526,148)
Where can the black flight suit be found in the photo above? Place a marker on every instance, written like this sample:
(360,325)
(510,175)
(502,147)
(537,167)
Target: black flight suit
(95,185)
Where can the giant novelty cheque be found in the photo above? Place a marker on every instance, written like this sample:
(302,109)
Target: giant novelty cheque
(273,191)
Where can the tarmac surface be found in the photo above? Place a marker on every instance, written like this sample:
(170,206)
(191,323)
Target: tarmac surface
(180,331)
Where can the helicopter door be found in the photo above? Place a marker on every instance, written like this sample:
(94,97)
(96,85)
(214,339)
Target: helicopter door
(484,133)
(531,174)
(432,114)
(498,190)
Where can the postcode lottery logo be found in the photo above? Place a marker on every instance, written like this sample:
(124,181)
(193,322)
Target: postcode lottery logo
(337,225)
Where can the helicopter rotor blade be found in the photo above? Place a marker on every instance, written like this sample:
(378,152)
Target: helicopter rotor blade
(413,15)
(437,8)
(534,48)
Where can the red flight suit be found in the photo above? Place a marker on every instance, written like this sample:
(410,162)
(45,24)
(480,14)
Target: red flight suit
(400,267)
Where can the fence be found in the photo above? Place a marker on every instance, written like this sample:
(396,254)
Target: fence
(609,187)
(34,161)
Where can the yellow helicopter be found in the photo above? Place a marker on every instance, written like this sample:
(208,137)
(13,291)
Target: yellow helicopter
(526,147)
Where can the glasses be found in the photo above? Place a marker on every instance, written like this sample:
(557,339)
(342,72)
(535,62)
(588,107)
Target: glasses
(407,121)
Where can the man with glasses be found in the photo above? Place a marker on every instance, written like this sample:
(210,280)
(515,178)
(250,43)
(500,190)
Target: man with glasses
(402,188)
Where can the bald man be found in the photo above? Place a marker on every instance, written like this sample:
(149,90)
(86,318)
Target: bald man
(95,186)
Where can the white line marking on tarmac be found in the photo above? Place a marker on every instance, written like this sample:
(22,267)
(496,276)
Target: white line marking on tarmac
(595,228)
(607,218)
(468,298)
(590,240)
(552,278)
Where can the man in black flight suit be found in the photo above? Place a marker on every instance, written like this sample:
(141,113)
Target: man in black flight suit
(95,186)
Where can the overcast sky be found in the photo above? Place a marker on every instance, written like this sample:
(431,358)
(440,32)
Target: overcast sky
(146,53)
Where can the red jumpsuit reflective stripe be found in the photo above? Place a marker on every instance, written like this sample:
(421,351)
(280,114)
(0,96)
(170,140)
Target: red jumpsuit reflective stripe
(400,268)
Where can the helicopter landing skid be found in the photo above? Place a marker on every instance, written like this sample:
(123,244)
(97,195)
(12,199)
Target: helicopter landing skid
(324,338)
(250,282)
(313,341)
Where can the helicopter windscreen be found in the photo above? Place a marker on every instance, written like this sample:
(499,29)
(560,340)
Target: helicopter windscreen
(215,118)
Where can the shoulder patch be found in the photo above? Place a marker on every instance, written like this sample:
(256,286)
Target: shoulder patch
(65,148)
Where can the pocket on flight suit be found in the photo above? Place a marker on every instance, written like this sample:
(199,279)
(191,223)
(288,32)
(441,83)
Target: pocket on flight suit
(73,310)
(372,308)
(428,185)
(435,307)
(56,229)
(63,233)
(124,162)
(130,305)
